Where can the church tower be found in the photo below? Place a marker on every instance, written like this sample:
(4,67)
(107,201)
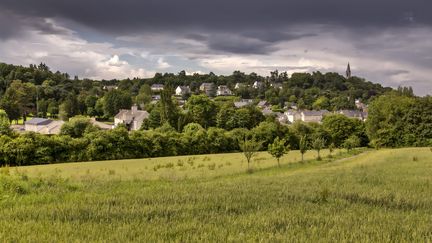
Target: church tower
(348,71)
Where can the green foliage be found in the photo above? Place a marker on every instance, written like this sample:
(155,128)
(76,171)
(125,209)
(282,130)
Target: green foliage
(202,110)
(341,127)
(303,146)
(395,120)
(278,149)
(77,127)
(318,144)
(4,124)
(351,142)
(249,147)
(115,100)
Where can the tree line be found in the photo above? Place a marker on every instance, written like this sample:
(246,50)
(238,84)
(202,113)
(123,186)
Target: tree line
(81,141)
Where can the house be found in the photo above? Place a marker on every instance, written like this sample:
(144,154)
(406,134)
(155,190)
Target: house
(243,103)
(263,104)
(293,115)
(208,88)
(133,118)
(360,105)
(157,87)
(258,85)
(290,105)
(205,87)
(313,116)
(282,118)
(267,111)
(223,90)
(182,90)
(109,87)
(354,114)
(43,126)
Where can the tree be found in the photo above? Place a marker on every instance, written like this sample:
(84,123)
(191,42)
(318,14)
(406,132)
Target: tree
(77,127)
(4,124)
(341,127)
(68,107)
(250,148)
(19,97)
(278,149)
(168,108)
(351,142)
(202,110)
(115,100)
(321,103)
(303,146)
(318,144)
(385,126)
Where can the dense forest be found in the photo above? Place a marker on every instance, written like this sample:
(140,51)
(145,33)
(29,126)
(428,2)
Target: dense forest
(204,124)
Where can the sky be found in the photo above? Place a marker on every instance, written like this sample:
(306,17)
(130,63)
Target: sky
(385,41)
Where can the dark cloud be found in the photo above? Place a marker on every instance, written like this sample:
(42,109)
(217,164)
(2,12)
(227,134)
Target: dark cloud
(14,25)
(135,15)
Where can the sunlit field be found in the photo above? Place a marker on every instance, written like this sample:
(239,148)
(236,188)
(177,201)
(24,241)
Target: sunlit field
(378,196)
(170,168)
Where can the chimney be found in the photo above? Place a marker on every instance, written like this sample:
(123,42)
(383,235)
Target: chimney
(134,108)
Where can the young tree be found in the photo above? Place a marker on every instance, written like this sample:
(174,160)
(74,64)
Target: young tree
(278,149)
(249,147)
(318,144)
(351,142)
(303,146)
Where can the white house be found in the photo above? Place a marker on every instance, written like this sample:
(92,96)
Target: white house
(133,118)
(257,85)
(293,115)
(182,90)
(43,126)
(223,90)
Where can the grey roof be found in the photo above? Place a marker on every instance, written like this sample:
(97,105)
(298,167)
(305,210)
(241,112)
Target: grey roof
(184,88)
(268,111)
(157,86)
(38,121)
(315,113)
(207,84)
(351,113)
(262,103)
(128,115)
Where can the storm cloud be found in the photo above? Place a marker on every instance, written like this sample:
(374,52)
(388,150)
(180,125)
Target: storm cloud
(387,41)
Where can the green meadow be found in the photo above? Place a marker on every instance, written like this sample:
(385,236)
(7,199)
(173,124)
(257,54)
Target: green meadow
(364,196)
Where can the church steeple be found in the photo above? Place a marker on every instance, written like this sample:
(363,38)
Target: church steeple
(348,71)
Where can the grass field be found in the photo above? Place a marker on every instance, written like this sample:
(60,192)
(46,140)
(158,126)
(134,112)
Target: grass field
(169,168)
(380,196)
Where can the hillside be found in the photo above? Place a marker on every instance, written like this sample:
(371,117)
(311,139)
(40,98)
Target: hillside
(38,91)
(378,196)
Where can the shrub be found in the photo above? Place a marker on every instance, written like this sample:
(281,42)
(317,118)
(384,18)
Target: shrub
(212,166)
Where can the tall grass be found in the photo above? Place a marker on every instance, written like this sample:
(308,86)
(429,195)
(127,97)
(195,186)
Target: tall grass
(378,196)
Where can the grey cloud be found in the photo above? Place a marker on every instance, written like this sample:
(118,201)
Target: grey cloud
(133,15)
